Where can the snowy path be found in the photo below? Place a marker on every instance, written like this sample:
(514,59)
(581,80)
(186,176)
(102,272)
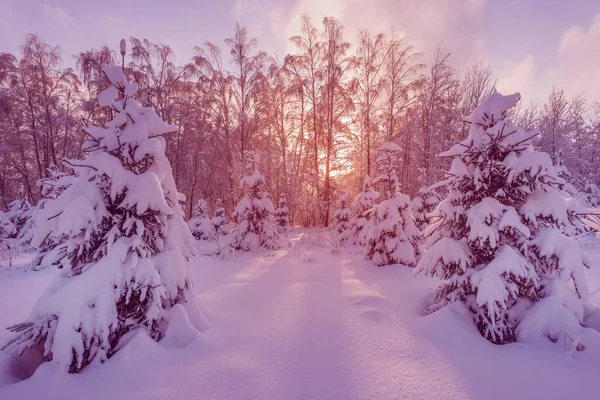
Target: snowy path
(318,330)
(333,328)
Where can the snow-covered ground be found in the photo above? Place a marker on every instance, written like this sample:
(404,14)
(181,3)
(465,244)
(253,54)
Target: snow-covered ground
(303,323)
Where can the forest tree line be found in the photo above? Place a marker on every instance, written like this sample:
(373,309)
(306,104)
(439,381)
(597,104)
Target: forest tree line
(316,118)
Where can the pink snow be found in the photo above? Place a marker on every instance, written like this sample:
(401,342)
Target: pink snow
(281,328)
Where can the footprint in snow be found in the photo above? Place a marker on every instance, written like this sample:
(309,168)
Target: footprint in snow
(368,300)
(372,307)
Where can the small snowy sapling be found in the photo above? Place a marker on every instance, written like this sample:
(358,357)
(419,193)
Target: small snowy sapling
(218,220)
(255,214)
(362,210)
(391,236)
(282,215)
(201,226)
(340,224)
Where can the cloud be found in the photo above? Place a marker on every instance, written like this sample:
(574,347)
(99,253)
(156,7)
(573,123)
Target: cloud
(517,76)
(574,67)
(6,15)
(577,60)
(459,24)
(57,15)
(455,23)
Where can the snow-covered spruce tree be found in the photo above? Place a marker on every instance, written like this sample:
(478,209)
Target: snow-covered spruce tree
(282,215)
(255,213)
(19,211)
(200,225)
(362,210)
(496,241)
(218,220)
(340,223)
(424,203)
(391,234)
(118,234)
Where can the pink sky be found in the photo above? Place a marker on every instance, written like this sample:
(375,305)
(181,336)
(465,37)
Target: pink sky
(531,44)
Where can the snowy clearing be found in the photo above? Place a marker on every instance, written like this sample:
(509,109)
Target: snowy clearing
(303,323)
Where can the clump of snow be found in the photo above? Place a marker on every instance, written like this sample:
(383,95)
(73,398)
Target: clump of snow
(493,109)
(561,256)
(488,219)
(108,96)
(558,318)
